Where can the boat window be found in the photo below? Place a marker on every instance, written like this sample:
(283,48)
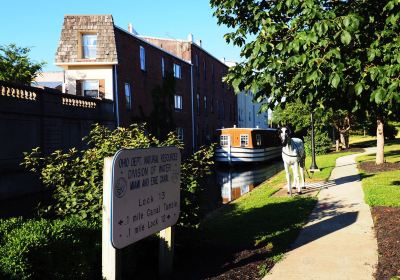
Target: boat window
(258,139)
(224,140)
(244,140)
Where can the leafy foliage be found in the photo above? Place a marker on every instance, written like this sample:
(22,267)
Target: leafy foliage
(300,50)
(322,141)
(77,176)
(37,249)
(297,115)
(15,65)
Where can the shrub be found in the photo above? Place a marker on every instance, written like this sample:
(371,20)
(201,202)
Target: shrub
(322,142)
(44,249)
(77,176)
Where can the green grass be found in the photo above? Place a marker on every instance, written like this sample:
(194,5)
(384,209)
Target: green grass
(355,139)
(325,163)
(383,188)
(260,219)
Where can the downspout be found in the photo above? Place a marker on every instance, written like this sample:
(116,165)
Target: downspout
(192,94)
(116,95)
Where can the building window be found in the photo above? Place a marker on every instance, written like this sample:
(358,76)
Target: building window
(258,140)
(162,67)
(205,103)
(196,63)
(142,58)
(89,46)
(177,71)
(128,96)
(180,133)
(224,140)
(204,70)
(198,104)
(244,140)
(91,88)
(178,102)
(212,105)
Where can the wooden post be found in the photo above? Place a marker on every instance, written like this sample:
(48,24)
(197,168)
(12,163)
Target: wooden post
(166,252)
(110,257)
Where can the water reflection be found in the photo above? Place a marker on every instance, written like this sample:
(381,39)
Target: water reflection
(237,181)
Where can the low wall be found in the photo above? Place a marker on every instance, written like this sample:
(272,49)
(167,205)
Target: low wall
(32,117)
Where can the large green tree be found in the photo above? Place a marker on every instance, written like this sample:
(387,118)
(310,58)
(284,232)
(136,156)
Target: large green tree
(16,66)
(312,50)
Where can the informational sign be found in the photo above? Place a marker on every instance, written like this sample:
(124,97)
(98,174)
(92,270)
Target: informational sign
(145,196)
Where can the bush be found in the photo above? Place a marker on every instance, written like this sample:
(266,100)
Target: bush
(323,143)
(77,176)
(44,249)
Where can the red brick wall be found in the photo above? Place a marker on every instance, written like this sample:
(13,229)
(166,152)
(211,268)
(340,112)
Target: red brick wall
(143,82)
(208,85)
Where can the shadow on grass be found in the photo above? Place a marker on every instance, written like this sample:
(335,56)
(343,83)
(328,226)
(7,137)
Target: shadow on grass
(395,183)
(237,237)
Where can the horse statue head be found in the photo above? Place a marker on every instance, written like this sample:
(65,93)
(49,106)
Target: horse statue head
(284,134)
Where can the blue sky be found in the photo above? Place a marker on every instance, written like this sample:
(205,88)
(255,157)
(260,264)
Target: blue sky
(37,24)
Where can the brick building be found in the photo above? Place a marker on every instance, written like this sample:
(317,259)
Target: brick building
(215,104)
(147,80)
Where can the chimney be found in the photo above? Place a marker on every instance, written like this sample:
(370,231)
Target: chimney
(131,30)
(190,37)
(199,43)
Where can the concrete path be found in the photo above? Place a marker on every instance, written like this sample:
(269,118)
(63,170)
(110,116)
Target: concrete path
(339,241)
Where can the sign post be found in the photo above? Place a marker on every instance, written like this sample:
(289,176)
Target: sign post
(141,196)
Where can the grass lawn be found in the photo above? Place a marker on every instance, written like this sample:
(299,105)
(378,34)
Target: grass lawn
(261,220)
(383,188)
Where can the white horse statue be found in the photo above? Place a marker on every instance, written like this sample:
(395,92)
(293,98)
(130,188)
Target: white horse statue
(293,155)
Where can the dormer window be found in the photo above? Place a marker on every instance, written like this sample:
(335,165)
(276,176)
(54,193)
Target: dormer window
(89,46)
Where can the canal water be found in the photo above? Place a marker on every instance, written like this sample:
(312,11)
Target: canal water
(224,185)
(228,183)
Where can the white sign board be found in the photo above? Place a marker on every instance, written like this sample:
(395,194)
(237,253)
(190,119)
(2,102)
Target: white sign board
(145,194)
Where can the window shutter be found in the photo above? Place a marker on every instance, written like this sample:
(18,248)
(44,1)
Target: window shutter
(102,91)
(79,87)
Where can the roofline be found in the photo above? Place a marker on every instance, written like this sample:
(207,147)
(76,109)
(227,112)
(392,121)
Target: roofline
(85,63)
(186,41)
(86,15)
(153,45)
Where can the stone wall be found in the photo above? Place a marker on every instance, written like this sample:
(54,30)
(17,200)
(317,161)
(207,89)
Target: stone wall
(32,117)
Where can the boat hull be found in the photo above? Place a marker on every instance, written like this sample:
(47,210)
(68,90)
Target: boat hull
(246,155)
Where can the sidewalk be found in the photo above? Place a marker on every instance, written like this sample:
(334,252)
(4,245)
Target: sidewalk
(338,242)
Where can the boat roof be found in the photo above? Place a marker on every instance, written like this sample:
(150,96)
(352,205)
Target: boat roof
(247,128)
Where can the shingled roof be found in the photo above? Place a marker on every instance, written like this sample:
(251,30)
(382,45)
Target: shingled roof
(74,26)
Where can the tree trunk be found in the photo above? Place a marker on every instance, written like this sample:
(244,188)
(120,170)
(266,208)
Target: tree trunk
(343,139)
(380,142)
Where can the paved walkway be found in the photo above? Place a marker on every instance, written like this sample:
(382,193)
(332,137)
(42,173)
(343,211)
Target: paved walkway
(338,242)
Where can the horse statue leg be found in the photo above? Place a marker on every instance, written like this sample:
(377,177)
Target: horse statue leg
(289,185)
(296,176)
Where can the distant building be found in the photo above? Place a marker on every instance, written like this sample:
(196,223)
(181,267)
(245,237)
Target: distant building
(249,114)
(53,80)
(104,61)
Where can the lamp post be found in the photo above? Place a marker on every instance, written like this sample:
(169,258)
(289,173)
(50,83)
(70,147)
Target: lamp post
(313,167)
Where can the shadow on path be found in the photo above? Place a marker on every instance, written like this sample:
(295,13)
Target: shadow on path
(325,227)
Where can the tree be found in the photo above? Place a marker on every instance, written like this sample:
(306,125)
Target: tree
(324,53)
(16,66)
(381,71)
(161,120)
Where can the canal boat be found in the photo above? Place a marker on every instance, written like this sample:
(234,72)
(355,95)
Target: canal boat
(247,145)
